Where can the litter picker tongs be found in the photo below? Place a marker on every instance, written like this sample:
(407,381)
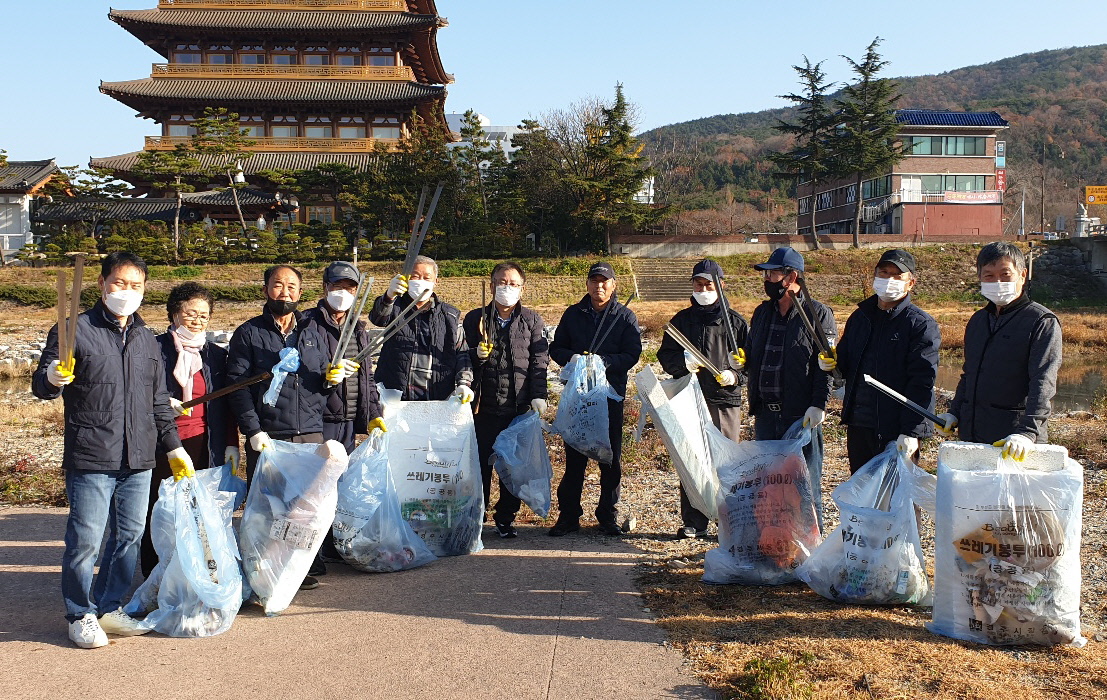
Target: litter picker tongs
(349,324)
(691,349)
(820,338)
(597,338)
(731,337)
(393,327)
(67,329)
(220,393)
(420,227)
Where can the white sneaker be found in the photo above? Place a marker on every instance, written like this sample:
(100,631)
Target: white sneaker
(87,633)
(121,624)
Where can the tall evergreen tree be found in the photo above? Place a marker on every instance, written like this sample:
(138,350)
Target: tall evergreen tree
(170,170)
(220,137)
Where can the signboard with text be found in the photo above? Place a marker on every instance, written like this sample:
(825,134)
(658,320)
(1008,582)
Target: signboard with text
(1095,194)
(1001,179)
(973,197)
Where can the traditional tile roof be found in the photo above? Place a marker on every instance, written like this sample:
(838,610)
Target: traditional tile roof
(926,117)
(144,21)
(262,160)
(223,198)
(193,207)
(24,175)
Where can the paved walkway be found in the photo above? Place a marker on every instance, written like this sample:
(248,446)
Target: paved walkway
(532,617)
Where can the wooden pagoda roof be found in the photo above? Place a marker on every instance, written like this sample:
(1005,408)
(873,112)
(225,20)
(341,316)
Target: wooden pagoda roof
(260,160)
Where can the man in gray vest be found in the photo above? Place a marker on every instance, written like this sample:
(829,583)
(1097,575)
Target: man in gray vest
(1012,354)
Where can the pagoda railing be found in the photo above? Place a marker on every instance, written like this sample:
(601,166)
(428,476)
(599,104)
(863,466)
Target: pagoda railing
(267,70)
(268,143)
(378,5)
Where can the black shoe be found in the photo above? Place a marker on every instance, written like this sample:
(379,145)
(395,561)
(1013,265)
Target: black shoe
(318,568)
(309,583)
(686,533)
(610,529)
(506,531)
(562,528)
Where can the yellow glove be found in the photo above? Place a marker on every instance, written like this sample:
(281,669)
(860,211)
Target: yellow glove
(60,374)
(397,287)
(484,351)
(828,363)
(1014,446)
(378,424)
(740,358)
(181,464)
(336,374)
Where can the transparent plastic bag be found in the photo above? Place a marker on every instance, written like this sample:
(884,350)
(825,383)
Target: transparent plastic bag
(520,457)
(581,418)
(1007,546)
(289,508)
(767,520)
(369,531)
(196,588)
(289,363)
(680,416)
(875,555)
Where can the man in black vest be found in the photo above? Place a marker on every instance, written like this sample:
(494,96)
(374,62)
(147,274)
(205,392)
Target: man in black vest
(509,374)
(1012,355)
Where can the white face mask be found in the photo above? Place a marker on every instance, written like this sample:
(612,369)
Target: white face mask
(415,288)
(888,289)
(340,300)
(706,298)
(507,295)
(999,293)
(123,303)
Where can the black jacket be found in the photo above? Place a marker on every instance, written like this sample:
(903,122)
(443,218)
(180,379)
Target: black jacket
(255,348)
(368,399)
(449,355)
(117,401)
(902,345)
(805,385)
(620,350)
(705,328)
(221,429)
(530,353)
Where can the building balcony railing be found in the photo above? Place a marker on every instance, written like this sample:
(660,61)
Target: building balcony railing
(371,5)
(237,70)
(874,212)
(268,143)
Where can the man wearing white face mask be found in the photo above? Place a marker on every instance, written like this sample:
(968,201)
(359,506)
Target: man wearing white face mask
(428,359)
(1012,355)
(895,342)
(117,414)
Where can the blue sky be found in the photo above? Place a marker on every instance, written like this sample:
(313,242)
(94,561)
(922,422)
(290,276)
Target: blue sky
(678,59)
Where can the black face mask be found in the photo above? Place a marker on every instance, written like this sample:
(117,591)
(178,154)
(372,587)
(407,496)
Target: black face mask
(774,290)
(279,307)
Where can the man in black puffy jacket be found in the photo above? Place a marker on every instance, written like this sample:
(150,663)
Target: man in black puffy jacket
(620,350)
(509,373)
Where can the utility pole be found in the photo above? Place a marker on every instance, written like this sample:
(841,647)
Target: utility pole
(1041,230)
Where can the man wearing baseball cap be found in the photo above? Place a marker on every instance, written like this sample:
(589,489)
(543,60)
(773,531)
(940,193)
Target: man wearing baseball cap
(786,383)
(895,342)
(620,351)
(703,324)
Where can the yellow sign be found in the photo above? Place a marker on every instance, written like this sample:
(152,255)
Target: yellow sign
(1095,194)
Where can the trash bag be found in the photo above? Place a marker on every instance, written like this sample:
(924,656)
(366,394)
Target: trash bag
(289,509)
(290,362)
(767,520)
(369,531)
(875,555)
(432,454)
(581,418)
(1007,546)
(520,457)
(680,415)
(196,588)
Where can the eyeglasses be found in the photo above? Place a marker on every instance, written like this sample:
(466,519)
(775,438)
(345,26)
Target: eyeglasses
(513,285)
(194,316)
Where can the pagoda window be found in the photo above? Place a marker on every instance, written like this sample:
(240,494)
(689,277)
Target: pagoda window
(351,128)
(219,59)
(251,59)
(187,57)
(386,128)
(284,131)
(347,60)
(283,55)
(181,130)
(324,215)
(379,56)
(252,126)
(317,131)
(312,59)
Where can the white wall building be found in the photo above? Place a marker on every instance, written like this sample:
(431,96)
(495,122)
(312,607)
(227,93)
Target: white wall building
(20,181)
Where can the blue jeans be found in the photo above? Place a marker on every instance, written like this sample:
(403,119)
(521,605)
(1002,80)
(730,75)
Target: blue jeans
(115,501)
(770,425)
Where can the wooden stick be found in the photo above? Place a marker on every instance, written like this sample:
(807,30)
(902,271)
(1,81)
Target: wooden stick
(220,393)
(63,330)
(74,308)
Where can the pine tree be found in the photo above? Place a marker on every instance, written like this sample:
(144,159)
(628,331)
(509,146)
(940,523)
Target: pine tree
(220,137)
(168,170)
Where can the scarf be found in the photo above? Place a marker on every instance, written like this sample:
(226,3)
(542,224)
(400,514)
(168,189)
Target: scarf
(189,361)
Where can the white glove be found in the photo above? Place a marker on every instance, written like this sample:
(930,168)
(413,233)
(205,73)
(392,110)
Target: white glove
(691,363)
(907,445)
(233,457)
(259,441)
(484,351)
(178,408)
(948,426)
(1015,446)
(58,376)
(397,287)
(342,371)
(463,393)
(728,377)
(539,405)
(814,417)
(181,464)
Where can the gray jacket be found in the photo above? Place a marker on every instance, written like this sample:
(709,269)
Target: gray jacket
(1010,373)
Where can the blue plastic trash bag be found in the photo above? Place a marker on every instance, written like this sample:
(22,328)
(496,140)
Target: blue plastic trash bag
(767,520)
(875,555)
(290,362)
(369,531)
(289,509)
(196,588)
(520,457)
(582,409)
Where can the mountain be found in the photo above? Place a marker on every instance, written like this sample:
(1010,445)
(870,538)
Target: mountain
(1057,98)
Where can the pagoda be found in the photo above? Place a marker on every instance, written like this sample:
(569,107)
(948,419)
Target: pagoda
(313,81)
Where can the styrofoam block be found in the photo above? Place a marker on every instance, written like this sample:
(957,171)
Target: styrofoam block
(975,456)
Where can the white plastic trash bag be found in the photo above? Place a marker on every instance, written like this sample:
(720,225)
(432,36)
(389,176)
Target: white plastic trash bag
(1007,546)
(289,509)
(369,531)
(767,520)
(196,588)
(581,418)
(432,454)
(680,415)
(875,555)
(520,457)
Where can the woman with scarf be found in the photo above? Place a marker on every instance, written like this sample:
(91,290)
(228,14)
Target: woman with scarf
(193,367)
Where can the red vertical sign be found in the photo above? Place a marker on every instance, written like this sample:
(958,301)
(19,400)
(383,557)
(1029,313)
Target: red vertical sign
(1001,179)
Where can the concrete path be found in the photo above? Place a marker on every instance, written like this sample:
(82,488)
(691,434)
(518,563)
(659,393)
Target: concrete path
(533,617)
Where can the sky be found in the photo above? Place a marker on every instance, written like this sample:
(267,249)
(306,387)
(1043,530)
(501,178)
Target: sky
(677,60)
